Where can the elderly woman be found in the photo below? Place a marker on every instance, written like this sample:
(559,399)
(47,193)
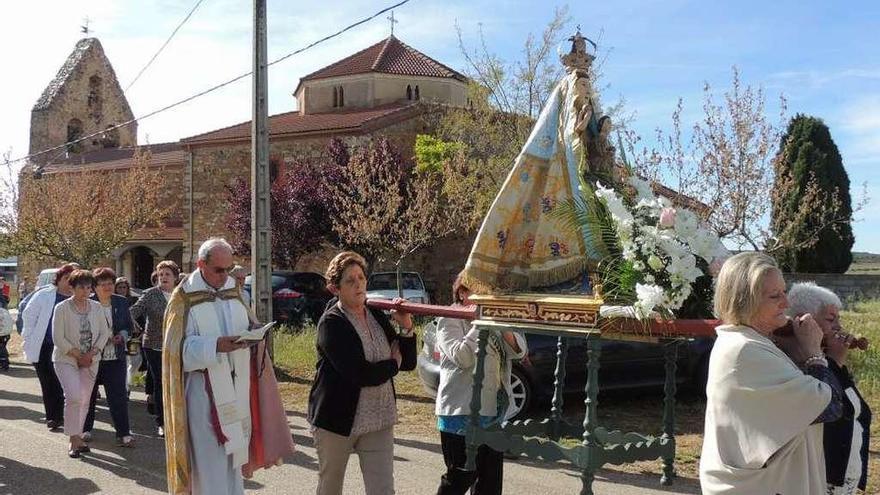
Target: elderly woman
(457,342)
(80,331)
(352,403)
(846,440)
(38,345)
(763,411)
(111,370)
(151,306)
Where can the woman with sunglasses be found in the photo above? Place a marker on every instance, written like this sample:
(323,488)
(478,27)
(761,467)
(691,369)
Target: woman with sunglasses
(152,307)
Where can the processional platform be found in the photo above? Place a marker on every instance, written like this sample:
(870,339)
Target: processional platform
(552,438)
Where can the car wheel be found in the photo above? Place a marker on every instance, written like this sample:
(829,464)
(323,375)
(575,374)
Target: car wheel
(521,391)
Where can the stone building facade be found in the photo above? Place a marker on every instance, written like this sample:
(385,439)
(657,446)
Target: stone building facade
(375,92)
(84,98)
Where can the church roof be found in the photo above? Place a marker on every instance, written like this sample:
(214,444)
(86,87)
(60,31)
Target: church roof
(82,47)
(161,155)
(389,56)
(295,123)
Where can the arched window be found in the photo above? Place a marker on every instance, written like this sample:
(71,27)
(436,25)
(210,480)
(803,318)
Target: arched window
(95,101)
(341,97)
(417,93)
(74,132)
(408,92)
(335,97)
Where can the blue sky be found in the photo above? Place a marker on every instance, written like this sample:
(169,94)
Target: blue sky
(823,56)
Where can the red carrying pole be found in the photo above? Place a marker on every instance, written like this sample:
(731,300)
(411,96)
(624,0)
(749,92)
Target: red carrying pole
(670,328)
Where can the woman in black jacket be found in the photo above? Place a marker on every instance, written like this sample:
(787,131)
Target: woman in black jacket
(352,403)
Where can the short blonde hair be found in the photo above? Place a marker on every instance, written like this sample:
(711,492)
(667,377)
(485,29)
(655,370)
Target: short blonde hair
(738,289)
(342,261)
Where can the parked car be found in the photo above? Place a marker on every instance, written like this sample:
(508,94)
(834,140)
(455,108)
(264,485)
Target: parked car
(383,285)
(296,295)
(623,364)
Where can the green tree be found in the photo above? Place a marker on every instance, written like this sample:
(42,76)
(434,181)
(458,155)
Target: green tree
(812,211)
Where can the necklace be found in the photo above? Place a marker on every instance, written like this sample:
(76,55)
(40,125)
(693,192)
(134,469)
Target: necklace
(81,310)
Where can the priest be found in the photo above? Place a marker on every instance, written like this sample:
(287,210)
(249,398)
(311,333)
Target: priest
(218,411)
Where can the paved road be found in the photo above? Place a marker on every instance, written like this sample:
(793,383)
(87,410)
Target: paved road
(34,460)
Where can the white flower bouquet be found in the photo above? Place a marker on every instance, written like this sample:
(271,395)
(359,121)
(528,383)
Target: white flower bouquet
(661,251)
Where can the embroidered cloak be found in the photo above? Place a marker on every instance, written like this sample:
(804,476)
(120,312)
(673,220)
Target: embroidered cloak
(520,244)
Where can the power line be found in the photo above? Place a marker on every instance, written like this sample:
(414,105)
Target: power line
(213,88)
(168,40)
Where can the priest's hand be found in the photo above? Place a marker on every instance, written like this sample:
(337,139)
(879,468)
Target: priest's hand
(228,344)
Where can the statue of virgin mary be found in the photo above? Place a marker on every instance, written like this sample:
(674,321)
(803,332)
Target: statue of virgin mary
(520,245)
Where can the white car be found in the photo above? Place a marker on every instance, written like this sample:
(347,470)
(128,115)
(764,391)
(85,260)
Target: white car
(383,285)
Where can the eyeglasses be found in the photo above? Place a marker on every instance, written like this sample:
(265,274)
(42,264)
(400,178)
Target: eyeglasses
(220,270)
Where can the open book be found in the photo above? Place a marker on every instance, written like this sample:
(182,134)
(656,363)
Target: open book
(255,335)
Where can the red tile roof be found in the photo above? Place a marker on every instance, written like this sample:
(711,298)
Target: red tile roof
(162,154)
(165,233)
(389,56)
(293,123)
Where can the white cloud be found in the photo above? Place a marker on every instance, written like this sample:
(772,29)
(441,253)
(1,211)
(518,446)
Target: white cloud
(815,79)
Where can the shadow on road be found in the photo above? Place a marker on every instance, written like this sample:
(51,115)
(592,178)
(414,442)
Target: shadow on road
(22,479)
(20,397)
(20,370)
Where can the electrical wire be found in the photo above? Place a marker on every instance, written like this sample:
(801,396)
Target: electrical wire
(168,40)
(212,88)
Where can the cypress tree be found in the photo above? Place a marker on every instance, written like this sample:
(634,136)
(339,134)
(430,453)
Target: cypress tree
(807,152)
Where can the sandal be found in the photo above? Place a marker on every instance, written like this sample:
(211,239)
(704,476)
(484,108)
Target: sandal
(127,441)
(73,453)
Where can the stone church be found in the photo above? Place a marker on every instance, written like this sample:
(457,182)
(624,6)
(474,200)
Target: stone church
(374,92)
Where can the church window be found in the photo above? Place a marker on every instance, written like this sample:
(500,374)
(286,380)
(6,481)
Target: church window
(417,92)
(341,97)
(74,132)
(94,99)
(335,97)
(408,92)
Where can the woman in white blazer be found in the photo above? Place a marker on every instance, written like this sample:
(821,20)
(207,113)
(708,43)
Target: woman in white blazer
(457,342)
(37,335)
(80,332)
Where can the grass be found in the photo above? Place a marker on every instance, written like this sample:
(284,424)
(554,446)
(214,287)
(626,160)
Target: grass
(295,356)
(639,411)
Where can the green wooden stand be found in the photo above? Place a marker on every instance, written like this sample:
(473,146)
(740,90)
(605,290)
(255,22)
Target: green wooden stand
(539,438)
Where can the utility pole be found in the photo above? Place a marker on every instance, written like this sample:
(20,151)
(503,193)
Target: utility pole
(261,220)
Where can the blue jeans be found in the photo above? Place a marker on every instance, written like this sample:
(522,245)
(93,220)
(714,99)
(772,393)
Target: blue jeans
(112,375)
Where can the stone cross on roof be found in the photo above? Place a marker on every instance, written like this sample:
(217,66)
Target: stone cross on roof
(85,26)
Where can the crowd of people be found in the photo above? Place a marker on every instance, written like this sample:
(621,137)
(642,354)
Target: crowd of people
(783,413)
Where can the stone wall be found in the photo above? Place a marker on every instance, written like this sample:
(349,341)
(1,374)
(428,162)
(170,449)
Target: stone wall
(89,95)
(849,287)
(216,167)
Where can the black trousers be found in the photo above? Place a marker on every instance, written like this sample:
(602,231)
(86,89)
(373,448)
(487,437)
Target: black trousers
(111,374)
(4,354)
(486,480)
(154,364)
(53,395)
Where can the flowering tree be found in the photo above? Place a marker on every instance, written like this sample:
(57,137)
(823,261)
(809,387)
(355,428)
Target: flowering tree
(300,211)
(384,208)
(81,215)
